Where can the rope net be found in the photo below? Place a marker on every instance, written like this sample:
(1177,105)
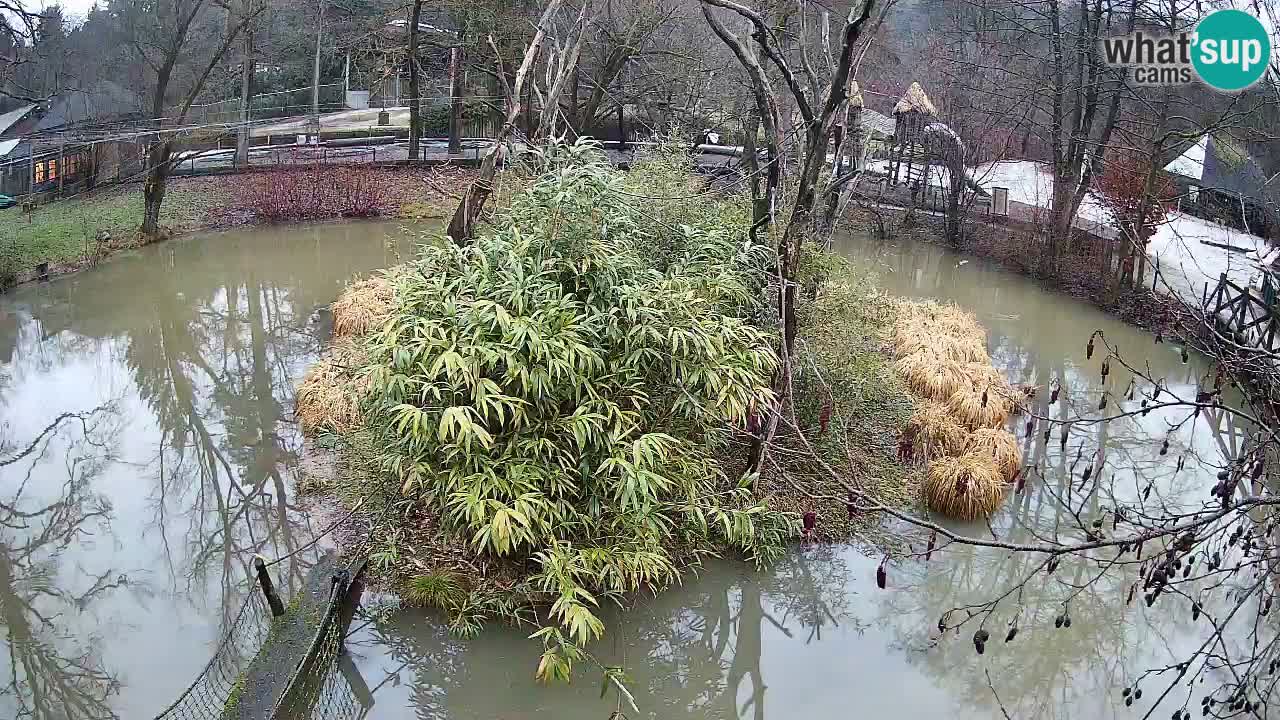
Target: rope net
(217,685)
(323,691)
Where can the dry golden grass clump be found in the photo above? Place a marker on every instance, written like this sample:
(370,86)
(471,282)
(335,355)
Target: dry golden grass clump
(930,375)
(932,425)
(959,322)
(943,358)
(966,487)
(925,338)
(998,445)
(362,307)
(330,393)
(978,406)
(945,330)
(985,375)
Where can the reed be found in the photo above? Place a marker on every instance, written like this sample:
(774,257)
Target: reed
(362,307)
(932,424)
(330,394)
(931,375)
(1000,446)
(966,487)
(979,407)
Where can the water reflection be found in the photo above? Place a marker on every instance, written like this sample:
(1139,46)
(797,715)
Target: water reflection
(814,637)
(51,672)
(1039,338)
(124,545)
(706,650)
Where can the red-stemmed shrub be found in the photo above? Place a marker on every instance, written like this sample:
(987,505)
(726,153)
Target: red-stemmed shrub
(312,193)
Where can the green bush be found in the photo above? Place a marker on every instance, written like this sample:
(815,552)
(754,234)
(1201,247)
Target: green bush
(558,390)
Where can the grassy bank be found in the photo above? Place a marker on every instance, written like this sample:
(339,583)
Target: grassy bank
(77,232)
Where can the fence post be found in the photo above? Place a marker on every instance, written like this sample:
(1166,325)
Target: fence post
(268,588)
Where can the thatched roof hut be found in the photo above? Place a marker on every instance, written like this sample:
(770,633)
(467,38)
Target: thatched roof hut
(855,94)
(915,101)
(912,113)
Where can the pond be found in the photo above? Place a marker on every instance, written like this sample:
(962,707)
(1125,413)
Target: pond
(125,537)
(814,638)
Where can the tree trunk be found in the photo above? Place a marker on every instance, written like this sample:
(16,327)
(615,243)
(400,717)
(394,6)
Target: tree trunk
(247,67)
(462,224)
(1108,260)
(1058,229)
(954,215)
(575,103)
(415,94)
(567,65)
(750,161)
(832,204)
(153,188)
(315,74)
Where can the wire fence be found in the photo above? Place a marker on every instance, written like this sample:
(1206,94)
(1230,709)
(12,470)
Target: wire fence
(323,686)
(326,689)
(215,689)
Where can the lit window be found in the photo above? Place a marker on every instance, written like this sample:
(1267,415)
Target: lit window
(40,172)
(53,169)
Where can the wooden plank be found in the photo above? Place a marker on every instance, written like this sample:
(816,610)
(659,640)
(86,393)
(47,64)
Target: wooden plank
(1237,309)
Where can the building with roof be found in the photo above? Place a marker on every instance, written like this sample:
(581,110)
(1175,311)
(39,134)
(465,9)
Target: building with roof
(1219,180)
(68,141)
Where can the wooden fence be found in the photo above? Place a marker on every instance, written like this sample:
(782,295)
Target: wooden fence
(1253,318)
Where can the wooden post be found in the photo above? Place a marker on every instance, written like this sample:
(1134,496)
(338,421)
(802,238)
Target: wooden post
(62,165)
(622,131)
(455,98)
(268,588)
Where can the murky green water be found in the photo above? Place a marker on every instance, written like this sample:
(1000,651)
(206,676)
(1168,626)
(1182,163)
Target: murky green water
(124,539)
(815,638)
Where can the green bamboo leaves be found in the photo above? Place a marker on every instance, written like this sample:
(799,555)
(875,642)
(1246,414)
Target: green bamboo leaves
(558,389)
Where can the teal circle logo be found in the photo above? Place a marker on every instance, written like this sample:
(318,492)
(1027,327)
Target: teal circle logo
(1231,50)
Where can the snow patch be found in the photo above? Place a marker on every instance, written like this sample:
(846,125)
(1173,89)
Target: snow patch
(1185,262)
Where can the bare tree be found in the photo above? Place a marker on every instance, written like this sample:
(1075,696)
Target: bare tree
(415,85)
(462,225)
(818,103)
(18,24)
(248,65)
(561,64)
(180,44)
